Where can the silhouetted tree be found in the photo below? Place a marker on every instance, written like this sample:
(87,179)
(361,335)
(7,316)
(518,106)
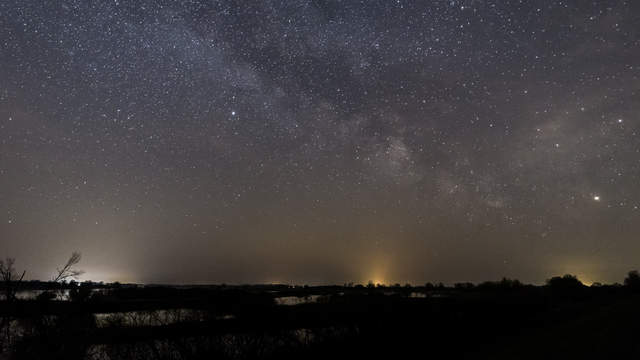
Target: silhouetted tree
(510,283)
(429,286)
(10,278)
(632,281)
(68,271)
(406,290)
(565,283)
(502,285)
(63,336)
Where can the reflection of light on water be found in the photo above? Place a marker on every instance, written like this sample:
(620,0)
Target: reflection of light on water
(296,300)
(418,295)
(154,317)
(26,294)
(59,294)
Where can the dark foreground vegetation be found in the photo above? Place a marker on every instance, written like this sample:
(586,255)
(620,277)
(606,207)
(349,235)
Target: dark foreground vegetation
(493,320)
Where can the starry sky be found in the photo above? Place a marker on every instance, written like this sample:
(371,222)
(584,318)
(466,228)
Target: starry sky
(318,142)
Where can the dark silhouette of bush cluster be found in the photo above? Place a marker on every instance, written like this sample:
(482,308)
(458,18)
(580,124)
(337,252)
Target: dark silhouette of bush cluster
(632,281)
(565,283)
(502,285)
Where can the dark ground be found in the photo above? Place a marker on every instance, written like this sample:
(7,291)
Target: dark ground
(503,320)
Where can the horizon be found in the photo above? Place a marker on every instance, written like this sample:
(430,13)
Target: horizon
(82,279)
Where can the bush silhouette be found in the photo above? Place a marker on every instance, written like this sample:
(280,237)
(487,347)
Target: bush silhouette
(567,282)
(632,281)
(502,285)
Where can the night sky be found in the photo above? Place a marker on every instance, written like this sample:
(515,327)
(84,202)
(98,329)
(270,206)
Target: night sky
(321,141)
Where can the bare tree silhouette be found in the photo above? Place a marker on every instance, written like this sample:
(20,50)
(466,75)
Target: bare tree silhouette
(68,271)
(10,278)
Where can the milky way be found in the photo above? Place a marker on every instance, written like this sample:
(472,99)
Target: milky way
(321,141)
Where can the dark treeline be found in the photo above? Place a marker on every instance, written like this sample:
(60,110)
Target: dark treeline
(502,319)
